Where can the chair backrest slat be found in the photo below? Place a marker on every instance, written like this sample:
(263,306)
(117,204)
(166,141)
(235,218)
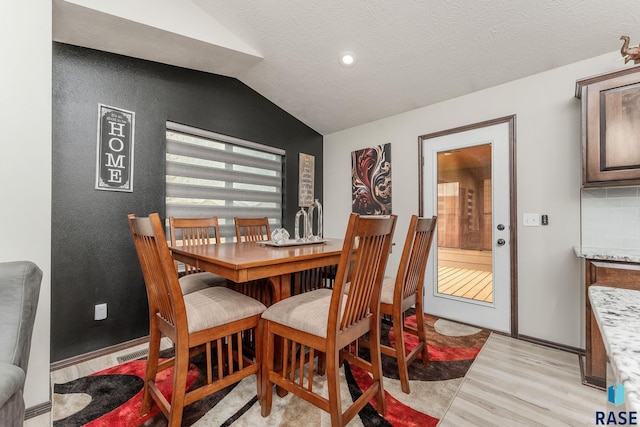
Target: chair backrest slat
(194,231)
(414,257)
(366,246)
(191,232)
(252,229)
(160,275)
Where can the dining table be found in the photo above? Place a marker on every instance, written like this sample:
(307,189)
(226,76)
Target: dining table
(249,261)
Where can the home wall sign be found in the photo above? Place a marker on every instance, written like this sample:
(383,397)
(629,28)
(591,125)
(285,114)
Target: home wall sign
(306,179)
(371,180)
(114,157)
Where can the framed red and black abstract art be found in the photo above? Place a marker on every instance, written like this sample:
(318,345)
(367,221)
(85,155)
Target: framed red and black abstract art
(371,180)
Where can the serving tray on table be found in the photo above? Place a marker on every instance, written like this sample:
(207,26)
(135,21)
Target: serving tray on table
(291,242)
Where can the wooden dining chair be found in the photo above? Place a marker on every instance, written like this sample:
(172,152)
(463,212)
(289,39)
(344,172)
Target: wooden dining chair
(211,320)
(326,321)
(404,291)
(190,232)
(252,229)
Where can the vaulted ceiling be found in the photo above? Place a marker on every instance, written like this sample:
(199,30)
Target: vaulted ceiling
(410,53)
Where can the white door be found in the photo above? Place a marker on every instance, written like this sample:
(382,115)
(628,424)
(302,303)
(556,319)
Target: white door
(466,183)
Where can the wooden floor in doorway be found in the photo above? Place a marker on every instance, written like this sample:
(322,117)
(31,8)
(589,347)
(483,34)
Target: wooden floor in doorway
(466,283)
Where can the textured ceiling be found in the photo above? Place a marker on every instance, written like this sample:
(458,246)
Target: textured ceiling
(410,53)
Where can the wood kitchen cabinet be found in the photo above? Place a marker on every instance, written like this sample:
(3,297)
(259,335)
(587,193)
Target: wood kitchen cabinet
(610,128)
(614,274)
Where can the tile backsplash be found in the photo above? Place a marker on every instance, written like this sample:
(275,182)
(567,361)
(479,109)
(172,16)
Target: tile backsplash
(611,217)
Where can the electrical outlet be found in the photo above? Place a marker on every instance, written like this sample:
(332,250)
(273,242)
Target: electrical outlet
(101,312)
(531,219)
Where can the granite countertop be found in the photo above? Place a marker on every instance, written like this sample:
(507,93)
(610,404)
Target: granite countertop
(617,312)
(624,255)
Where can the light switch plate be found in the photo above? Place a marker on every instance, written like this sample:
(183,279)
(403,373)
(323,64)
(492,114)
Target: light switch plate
(100,312)
(531,219)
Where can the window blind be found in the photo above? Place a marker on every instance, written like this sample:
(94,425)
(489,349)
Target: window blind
(209,174)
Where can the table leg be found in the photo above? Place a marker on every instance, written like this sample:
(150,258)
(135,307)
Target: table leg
(281,287)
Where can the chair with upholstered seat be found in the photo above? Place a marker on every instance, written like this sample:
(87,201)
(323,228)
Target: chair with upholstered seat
(190,232)
(404,291)
(211,320)
(325,322)
(252,229)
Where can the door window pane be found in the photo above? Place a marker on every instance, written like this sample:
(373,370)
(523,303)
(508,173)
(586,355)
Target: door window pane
(464,223)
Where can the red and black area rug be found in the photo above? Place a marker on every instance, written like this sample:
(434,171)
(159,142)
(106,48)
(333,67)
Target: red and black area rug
(113,396)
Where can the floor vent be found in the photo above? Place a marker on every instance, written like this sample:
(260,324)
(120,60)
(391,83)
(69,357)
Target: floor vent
(133,356)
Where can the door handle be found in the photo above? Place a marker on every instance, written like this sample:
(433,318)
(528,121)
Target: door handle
(501,242)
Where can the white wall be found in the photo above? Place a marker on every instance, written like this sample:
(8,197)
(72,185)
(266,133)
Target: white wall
(551,296)
(25,163)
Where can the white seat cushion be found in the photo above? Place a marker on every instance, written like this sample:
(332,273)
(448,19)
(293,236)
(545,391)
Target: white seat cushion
(388,286)
(306,312)
(197,281)
(218,305)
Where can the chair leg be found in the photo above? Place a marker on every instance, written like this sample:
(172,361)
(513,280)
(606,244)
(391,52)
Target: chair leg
(258,357)
(267,366)
(180,371)
(422,334)
(376,366)
(152,368)
(398,326)
(322,364)
(333,386)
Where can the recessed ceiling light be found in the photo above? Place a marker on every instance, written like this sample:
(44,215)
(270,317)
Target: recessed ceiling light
(347,59)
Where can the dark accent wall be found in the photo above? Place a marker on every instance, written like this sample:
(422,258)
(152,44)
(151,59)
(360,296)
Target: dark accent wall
(93,258)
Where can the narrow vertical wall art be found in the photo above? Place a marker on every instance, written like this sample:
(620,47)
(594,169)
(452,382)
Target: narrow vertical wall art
(371,180)
(307,166)
(114,157)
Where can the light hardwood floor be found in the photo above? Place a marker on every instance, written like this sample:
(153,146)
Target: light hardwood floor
(517,383)
(512,383)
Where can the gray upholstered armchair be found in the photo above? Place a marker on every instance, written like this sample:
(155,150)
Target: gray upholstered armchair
(19,291)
